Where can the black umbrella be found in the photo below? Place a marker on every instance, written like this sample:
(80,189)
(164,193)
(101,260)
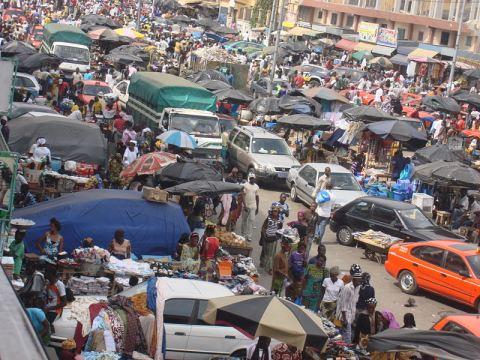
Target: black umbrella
(208,23)
(397,130)
(440,103)
(95,19)
(202,187)
(124,59)
(324,93)
(467,97)
(132,50)
(282,52)
(295,47)
(296,104)
(17,47)
(233,95)
(222,30)
(367,114)
(207,75)
(446,345)
(437,152)
(301,121)
(182,19)
(34,62)
(448,173)
(266,106)
(182,172)
(214,85)
(473,73)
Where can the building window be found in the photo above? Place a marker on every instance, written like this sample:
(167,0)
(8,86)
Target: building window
(248,14)
(353,2)
(333,19)
(241,13)
(371,3)
(401,34)
(406,5)
(304,13)
(420,36)
(468,41)
(444,38)
(349,22)
(319,14)
(445,13)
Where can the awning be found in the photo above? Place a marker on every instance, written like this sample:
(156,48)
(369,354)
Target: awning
(345,44)
(405,50)
(383,50)
(301,31)
(422,53)
(363,46)
(399,59)
(442,50)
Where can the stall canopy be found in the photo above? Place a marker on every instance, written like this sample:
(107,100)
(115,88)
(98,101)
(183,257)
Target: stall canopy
(448,174)
(447,345)
(441,103)
(467,97)
(398,130)
(346,45)
(437,152)
(66,138)
(383,50)
(301,121)
(422,53)
(152,228)
(363,46)
(399,59)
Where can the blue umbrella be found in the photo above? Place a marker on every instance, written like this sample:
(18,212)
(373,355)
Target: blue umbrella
(178,138)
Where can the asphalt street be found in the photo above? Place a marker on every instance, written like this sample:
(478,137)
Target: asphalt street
(428,308)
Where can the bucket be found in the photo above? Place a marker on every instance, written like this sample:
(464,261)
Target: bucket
(398,195)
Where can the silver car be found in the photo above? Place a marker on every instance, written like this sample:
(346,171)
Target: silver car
(302,180)
(254,150)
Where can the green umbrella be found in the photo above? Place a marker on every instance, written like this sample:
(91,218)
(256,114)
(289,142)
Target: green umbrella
(360,55)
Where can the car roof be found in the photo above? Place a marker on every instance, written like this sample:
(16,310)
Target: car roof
(457,245)
(397,205)
(259,132)
(334,167)
(471,322)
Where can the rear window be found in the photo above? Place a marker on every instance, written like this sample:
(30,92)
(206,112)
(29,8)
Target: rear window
(360,209)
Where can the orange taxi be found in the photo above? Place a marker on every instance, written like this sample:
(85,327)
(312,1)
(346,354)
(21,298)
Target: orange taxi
(459,323)
(446,267)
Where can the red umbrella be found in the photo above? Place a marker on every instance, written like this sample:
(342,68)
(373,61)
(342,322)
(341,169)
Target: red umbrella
(148,164)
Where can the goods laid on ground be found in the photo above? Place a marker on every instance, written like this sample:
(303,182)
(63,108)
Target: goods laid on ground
(87,285)
(128,267)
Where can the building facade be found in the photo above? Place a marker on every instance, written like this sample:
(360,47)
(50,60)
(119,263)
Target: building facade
(427,21)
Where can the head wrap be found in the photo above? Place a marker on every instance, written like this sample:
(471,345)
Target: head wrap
(392,322)
(41,141)
(69,344)
(366,279)
(356,271)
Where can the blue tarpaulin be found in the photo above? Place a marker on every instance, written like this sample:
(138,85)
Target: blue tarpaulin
(152,228)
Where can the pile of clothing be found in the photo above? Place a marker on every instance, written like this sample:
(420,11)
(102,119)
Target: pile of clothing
(244,285)
(93,254)
(87,285)
(129,267)
(243,265)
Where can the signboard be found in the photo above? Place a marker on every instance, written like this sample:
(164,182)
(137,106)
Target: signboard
(7,72)
(367,32)
(387,37)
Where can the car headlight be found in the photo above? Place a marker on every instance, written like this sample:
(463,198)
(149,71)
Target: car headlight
(266,168)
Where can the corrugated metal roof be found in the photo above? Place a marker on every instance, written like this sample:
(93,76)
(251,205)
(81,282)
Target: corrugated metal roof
(442,50)
(383,50)
(422,53)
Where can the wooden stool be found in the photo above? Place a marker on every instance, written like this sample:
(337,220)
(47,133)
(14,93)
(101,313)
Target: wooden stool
(443,218)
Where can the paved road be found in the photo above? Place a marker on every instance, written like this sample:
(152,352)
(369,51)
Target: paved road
(429,308)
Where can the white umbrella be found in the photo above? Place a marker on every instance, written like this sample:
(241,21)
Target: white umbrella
(178,138)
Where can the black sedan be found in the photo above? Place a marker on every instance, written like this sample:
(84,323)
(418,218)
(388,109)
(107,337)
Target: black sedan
(399,219)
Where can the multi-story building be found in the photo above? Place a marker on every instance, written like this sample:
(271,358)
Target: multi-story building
(428,21)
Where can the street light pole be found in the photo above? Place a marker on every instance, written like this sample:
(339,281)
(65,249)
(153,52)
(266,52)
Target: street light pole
(277,43)
(273,18)
(457,45)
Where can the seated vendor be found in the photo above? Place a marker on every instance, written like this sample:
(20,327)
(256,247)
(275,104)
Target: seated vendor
(190,249)
(120,247)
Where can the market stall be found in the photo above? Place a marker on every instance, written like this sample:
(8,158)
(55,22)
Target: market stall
(376,244)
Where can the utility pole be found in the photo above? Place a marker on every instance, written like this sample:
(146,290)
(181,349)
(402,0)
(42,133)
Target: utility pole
(139,14)
(273,18)
(457,45)
(277,43)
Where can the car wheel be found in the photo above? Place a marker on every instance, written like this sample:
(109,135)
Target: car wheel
(293,193)
(344,236)
(407,281)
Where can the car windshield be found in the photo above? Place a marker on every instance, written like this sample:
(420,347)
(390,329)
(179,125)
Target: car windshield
(71,53)
(414,219)
(92,90)
(195,125)
(474,261)
(270,146)
(343,181)
(227,125)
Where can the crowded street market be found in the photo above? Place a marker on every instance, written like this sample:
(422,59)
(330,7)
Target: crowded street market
(177,186)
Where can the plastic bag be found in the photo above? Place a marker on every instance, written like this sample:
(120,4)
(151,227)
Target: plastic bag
(322,197)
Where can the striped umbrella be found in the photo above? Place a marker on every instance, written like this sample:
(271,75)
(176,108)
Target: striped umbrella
(148,164)
(269,316)
(178,138)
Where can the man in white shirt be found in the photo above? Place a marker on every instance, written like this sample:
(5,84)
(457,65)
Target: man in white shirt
(332,286)
(77,76)
(323,211)
(250,207)
(378,96)
(130,154)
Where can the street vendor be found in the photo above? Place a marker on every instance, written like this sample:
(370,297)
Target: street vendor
(42,152)
(120,247)
(190,249)
(210,246)
(17,250)
(51,243)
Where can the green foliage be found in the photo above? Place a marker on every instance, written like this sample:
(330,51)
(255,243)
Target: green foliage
(260,11)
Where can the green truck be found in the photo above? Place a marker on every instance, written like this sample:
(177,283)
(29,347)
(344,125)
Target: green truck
(70,44)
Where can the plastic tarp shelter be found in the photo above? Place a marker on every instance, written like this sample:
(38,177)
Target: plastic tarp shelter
(346,45)
(65,33)
(152,228)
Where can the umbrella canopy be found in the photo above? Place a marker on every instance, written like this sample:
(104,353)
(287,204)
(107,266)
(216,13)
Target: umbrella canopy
(437,152)
(123,58)
(96,33)
(302,121)
(30,63)
(222,30)
(299,105)
(360,55)
(295,47)
(448,173)
(467,97)
(182,172)
(17,47)
(214,85)
(100,20)
(182,19)
(324,93)
(440,103)
(446,345)
(133,50)
(381,61)
(128,32)
(207,75)
(269,316)
(21,108)
(148,164)
(233,96)
(66,139)
(267,106)
(473,73)
(367,113)
(202,187)
(397,130)
(282,52)
(178,138)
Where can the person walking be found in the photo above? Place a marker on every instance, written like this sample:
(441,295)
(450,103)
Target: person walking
(280,268)
(315,275)
(268,239)
(250,207)
(323,211)
(332,287)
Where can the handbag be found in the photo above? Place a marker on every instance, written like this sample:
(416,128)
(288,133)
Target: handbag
(322,197)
